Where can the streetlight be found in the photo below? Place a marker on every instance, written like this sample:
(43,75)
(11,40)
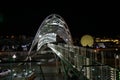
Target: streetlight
(14,57)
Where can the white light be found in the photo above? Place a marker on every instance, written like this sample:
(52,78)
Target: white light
(14,74)
(25,73)
(73,66)
(116,49)
(117,57)
(14,56)
(40,36)
(30,71)
(13,70)
(93,69)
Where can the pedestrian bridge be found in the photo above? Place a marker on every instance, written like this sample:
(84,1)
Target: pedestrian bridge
(71,62)
(78,62)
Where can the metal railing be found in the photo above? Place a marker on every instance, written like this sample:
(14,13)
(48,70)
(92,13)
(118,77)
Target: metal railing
(89,62)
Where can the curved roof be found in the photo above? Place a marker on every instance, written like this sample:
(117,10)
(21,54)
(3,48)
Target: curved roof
(52,26)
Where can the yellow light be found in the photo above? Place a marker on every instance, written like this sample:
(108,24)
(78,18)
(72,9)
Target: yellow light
(87,40)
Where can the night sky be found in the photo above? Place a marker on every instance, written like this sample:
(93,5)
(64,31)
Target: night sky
(26,21)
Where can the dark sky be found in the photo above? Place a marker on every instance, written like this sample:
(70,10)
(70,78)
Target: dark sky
(26,20)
